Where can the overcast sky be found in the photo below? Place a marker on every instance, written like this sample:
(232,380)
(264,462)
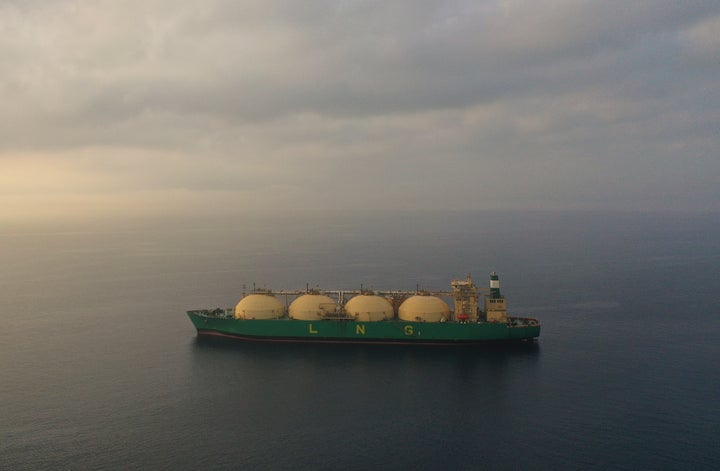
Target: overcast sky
(175,105)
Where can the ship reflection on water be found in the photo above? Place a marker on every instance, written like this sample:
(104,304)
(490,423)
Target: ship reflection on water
(386,358)
(219,344)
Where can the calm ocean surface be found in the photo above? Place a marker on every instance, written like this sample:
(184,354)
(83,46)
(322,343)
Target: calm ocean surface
(101,369)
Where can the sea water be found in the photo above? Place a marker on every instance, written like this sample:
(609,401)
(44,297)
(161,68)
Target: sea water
(101,369)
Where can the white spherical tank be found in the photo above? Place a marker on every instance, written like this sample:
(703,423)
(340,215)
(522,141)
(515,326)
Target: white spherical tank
(424,308)
(310,307)
(259,306)
(369,308)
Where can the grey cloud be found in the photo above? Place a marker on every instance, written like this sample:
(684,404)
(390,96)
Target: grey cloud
(558,96)
(376,58)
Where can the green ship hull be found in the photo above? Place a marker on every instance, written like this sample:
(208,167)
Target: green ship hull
(222,323)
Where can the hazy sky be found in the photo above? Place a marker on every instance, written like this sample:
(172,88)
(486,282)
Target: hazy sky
(174,105)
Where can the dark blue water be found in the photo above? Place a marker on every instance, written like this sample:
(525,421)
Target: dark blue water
(100,368)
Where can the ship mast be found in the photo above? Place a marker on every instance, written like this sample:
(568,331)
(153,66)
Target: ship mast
(465,295)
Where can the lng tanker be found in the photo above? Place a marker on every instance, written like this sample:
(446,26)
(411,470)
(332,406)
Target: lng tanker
(364,316)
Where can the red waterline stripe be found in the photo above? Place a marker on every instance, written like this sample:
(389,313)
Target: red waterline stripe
(215,333)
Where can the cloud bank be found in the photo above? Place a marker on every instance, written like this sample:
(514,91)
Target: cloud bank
(359,104)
